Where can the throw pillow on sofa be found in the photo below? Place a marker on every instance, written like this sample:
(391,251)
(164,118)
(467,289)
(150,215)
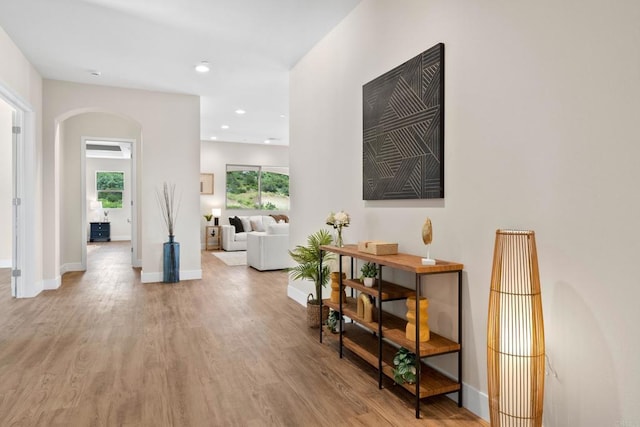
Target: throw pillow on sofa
(256,225)
(280,218)
(246,224)
(237,224)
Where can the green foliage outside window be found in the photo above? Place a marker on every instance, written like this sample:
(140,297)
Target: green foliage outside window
(250,187)
(110,186)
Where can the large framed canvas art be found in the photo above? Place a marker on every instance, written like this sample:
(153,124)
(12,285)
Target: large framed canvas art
(403,130)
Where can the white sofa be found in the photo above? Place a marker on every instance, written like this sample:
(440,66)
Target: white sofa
(269,250)
(232,241)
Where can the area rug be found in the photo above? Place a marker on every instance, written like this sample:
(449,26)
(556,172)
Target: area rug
(232,258)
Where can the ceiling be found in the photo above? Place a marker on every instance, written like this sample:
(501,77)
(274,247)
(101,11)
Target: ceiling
(155,44)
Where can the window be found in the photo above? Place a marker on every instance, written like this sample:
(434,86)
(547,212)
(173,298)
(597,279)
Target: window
(257,187)
(110,186)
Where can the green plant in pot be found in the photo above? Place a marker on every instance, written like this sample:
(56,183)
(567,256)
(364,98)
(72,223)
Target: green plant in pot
(308,268)
(404,370)
(207,217)
(332,321)
(368,272)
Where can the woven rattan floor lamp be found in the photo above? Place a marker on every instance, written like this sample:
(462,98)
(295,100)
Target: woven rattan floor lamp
(515,332)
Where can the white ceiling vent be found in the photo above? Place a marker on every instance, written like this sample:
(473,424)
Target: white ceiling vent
(108,149)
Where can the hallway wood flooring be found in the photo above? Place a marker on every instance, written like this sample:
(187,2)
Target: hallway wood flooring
(228,350)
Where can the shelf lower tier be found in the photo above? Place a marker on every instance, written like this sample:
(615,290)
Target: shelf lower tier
(364,344)
(393,329)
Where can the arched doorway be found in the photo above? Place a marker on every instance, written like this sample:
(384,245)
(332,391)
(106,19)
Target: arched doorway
(74,182)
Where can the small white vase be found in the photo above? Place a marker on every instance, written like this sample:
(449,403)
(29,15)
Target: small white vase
(368,281)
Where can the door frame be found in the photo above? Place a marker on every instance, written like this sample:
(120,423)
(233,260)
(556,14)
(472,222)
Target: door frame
(23,197)
(133,191)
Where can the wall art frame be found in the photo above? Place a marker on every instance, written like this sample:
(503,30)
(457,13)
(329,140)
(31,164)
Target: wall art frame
(403,130)
(206,183)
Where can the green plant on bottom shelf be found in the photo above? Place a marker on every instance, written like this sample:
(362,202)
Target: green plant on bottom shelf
(404,370)
(332,320)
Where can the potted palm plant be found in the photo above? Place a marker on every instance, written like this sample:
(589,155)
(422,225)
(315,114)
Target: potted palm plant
(309,258)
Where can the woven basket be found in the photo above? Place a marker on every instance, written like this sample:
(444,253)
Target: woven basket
(313,313)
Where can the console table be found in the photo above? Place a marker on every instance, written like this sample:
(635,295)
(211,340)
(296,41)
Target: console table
(377,341)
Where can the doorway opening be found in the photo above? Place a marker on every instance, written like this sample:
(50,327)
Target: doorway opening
(8,235)
(105,136)
(109,172)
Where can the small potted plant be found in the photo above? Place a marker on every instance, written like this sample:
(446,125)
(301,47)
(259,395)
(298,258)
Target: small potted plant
(332,321)
(208,218)
(404,370)
(368,272)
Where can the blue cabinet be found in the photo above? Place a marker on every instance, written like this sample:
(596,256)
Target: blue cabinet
(100,232)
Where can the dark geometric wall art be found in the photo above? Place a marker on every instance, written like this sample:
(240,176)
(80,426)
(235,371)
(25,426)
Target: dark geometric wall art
(403,130)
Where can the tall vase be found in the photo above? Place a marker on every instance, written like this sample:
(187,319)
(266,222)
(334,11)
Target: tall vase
(339,242)
(171,261)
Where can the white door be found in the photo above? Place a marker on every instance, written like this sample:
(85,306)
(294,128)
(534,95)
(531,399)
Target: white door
(16,202)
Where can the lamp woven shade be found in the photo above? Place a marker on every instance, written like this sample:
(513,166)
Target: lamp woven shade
(515,332)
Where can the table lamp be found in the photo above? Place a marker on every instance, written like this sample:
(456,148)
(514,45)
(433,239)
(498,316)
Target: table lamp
(216,212)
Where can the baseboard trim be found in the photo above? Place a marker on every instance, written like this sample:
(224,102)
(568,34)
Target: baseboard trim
(475,401)
(6,263)
(156,276)
(297,295)
(152,277)
(72,266)
(51,284)
(190,275)
(120,238)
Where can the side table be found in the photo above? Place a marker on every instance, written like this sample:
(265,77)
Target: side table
(212,235)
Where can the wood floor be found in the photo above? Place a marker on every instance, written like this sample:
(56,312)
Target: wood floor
(228,350)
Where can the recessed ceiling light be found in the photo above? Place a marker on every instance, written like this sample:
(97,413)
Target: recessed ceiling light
(224,127)
(95,73)
(203,67)
(213,138)
(282,116)
(240,111)
(267,141)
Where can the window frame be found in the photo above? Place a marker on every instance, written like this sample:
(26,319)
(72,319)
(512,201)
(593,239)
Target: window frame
(121,191)
(258,201)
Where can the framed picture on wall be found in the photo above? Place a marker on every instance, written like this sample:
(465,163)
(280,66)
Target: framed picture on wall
(206,183)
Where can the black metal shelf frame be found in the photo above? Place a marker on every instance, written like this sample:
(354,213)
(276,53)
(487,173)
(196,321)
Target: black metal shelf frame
(378,303)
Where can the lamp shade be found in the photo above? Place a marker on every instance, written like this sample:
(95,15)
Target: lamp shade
(515,332)
(216,212)
(95,205)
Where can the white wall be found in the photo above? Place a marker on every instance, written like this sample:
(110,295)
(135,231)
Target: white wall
(542,101)
(6,178)
(170,152)
(21,84)
(215,155)
(73,129)
(118,218)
